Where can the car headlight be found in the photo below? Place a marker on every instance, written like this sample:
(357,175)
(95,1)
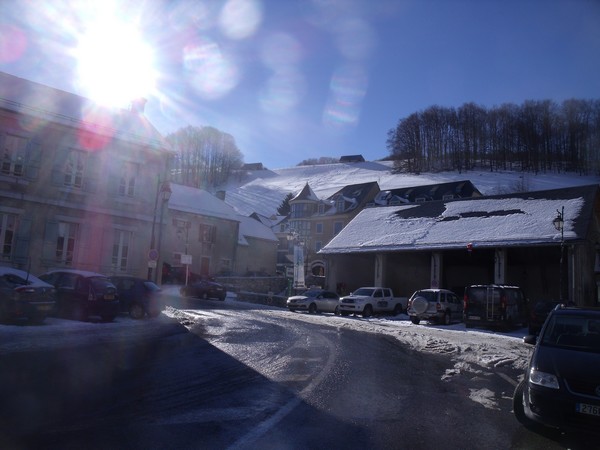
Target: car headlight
(543,379)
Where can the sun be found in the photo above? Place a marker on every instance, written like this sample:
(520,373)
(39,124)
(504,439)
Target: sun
(114,64)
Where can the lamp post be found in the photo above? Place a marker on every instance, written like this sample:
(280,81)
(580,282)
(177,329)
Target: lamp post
(559,224)
(163,192)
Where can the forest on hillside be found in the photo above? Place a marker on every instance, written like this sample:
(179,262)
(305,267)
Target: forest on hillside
(536,136)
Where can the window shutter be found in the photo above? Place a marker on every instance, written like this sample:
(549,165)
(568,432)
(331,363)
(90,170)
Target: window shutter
(34,159)
(21,252)
(49,244)
(114,182)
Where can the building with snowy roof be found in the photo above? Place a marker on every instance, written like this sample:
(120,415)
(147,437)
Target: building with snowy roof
(505,239)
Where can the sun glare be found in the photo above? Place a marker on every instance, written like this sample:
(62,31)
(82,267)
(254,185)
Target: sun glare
(115,65)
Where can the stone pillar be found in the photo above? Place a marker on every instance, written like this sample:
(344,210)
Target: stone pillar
(436,270)
(379,270)
(500,266)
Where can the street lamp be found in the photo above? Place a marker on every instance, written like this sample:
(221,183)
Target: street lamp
(163,192)
(559,224)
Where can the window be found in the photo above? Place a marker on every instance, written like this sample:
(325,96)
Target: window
(319,228)
(337,227)
(13,155)
(318,246)
(208,233)
(120,253)
(65,242)
(340,204)
(8,223)
(127,180)
(74,167)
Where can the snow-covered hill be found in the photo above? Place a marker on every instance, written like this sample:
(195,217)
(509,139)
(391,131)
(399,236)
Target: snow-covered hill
(262,191)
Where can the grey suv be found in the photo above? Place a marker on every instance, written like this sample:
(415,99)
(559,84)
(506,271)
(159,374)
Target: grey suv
(440,305)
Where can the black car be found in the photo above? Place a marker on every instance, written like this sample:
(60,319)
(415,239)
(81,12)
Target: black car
(24,297)
(81,294)
(138,297)
(204,289)
(561,388)
(538,314)
(494,305)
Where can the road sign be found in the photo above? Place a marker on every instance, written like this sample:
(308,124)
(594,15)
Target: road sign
(153,255)
(186,259)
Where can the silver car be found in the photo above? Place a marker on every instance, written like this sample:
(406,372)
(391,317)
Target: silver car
(314,300)
(440,305)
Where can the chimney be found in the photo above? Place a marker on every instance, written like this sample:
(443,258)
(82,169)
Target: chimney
(138,105)
(220,195)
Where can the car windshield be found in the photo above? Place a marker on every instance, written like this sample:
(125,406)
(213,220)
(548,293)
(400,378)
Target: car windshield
(363,291)
(100,283)
(581,332)
(151,286)
(312,293)
(430,296)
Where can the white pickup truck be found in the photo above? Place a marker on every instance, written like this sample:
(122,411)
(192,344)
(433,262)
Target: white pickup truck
(371,300)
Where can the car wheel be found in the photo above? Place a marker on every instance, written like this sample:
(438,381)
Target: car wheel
(336,311)
(415,320)
(397,309)
(447,319)
(292,310)
(37,320)
(184,292)
(154,313)
(312,308)
(222,298)
(344,313)
(79,313)
(368,311)
(136,311)
(519,407)
(108,318)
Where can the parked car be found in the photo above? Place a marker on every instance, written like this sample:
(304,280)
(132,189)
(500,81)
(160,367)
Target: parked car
(23,296)
(494,305)
(440,305)
(561,388)
(314,301)
(204,289)
(81,294)
(538,314)
(372,300)
(138,297)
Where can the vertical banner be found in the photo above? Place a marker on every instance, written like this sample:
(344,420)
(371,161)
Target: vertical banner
(298,267)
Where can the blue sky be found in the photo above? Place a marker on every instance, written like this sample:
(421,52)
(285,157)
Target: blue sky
(298,79)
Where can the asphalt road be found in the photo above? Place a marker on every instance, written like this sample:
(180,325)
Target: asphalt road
(231,376)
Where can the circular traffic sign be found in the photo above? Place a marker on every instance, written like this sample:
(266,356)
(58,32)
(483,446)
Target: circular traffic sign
(153,255)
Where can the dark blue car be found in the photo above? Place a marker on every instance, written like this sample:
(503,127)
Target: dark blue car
(138,297)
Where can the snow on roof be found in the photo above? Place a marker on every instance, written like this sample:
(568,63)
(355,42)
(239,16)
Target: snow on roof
(484,222)
(198,201)
(306,194)
(252,228)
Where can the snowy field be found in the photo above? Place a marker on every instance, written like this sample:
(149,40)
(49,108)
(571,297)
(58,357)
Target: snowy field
(262,191)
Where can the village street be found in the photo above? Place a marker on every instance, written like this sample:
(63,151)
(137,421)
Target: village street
(236,375)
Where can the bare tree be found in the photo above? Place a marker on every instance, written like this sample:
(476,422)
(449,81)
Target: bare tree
(204,157)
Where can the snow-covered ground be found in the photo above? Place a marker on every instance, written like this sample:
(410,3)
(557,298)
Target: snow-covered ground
(472,352)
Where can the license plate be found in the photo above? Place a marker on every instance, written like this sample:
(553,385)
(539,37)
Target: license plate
(109,297)
(584,408)
(474,318)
